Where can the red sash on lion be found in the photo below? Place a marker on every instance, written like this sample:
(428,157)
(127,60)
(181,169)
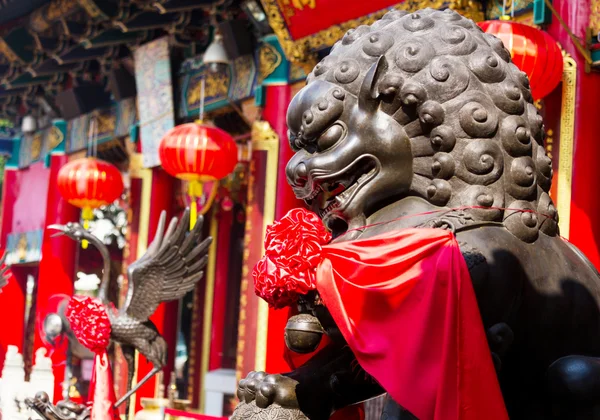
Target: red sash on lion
(405,304)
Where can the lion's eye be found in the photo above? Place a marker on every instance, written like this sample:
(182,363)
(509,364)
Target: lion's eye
(330,137)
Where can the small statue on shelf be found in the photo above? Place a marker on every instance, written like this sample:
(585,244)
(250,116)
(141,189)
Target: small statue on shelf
(64,410)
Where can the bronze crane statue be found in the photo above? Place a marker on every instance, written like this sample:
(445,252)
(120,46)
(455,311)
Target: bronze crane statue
(170,268)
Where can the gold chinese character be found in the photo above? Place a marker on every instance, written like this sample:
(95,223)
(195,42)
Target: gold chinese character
(299,4)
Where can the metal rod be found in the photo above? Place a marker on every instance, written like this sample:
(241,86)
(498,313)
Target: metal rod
(202,86)
(585,53)
(95,141)
(89,139)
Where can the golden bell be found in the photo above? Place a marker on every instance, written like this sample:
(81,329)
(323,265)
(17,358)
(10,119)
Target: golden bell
(303,333)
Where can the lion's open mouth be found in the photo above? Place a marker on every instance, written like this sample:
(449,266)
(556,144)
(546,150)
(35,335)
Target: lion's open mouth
(333,192)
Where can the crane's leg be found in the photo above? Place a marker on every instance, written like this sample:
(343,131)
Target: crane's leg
(129,354)
(150,374)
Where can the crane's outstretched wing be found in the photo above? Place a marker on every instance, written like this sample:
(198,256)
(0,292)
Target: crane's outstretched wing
(169,269)
(4,275)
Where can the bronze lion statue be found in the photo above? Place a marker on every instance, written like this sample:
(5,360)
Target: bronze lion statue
(422,112)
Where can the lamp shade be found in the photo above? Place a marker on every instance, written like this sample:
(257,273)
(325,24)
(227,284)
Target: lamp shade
(533,51)
(216,53)
(28,125)
(89,183)
(195,152)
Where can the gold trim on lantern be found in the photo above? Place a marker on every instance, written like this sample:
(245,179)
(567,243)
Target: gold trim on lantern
(84,203)
(211,269)
(565,156)
(195,177)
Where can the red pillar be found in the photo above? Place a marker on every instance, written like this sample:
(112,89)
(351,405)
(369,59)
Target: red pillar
(12,296)
(277,101)
(58,264)
(165,318)
(225,220)
(585,202)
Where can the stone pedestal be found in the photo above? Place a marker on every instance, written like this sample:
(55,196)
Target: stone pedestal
(12,385)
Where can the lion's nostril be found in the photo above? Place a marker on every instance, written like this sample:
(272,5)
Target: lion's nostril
(299,174)
(302,171)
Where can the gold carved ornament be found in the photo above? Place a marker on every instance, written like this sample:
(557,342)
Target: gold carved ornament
(243,67)
(8,52)
(595,16)
(262,131)
(565,155)
(268,60)
(216,86)
(55,137)
(300,4)
(90,8)
(106,123)
(36,146)
(302,51)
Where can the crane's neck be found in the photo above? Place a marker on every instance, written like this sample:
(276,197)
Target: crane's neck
(105,281)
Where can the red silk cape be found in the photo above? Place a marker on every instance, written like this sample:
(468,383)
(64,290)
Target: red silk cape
(405,304)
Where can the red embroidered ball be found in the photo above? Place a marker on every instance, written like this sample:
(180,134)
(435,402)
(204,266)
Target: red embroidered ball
(292,253)
(89,322)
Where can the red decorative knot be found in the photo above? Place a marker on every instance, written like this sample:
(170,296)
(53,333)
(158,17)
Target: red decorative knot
(90,323)
(293,248)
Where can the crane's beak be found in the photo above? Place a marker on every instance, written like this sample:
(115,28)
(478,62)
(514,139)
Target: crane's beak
(62,230)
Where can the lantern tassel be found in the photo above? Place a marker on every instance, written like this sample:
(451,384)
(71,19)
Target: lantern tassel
(195,190)
(87,214)
(211,198)
(193,213)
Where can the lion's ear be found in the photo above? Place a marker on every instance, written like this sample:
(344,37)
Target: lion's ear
(368,99)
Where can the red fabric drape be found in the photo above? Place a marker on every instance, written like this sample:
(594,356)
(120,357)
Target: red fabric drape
(102,390)
(406,306)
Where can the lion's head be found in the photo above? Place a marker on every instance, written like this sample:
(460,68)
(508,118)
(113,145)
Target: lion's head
(421,104)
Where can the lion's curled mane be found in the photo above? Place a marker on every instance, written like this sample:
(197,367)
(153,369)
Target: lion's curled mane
(476,137)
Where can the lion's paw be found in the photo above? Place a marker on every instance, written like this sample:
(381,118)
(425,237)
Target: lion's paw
(267,390)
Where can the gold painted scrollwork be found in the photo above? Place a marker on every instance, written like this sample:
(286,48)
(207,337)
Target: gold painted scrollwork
(567,133)
(300,4)
(303,50)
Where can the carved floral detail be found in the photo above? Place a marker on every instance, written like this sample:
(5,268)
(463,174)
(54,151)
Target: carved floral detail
(273,412)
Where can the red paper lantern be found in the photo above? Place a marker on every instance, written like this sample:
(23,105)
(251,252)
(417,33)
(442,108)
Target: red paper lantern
(89,183)
(533,51)
(198,153)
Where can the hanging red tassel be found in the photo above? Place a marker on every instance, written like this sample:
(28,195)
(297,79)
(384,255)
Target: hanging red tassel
(91,325)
